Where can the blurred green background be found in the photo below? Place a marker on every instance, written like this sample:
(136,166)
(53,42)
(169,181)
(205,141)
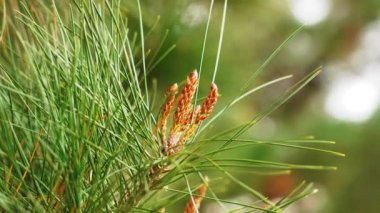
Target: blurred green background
(342,104)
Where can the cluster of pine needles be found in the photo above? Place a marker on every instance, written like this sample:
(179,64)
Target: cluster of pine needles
(78,128)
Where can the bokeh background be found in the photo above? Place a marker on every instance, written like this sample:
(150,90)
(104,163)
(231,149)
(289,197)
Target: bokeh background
(342,104)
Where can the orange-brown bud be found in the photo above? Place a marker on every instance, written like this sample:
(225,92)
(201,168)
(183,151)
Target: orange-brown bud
(189,131)
(193,204)
(181,115)
(172,89)
(186,119)
(208,104)
(161,124)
